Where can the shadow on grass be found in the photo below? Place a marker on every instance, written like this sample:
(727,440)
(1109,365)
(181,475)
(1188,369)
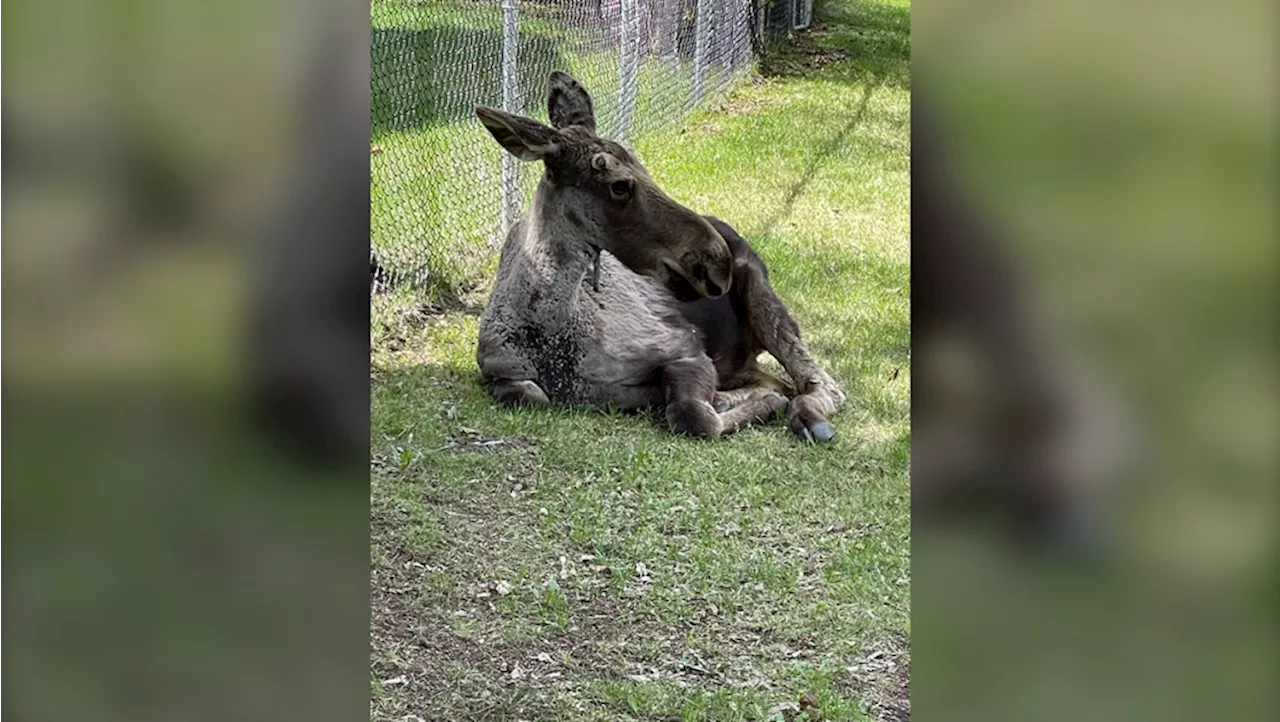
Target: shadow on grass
(868,43)
(443,421)
(811,170)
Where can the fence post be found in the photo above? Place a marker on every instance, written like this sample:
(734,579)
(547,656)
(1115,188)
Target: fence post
(804,14)
(510,95)
(628,62)
(701,31)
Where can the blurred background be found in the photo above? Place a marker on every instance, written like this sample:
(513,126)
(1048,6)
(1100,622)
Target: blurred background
(185,210)
(185,213)
(1094,334)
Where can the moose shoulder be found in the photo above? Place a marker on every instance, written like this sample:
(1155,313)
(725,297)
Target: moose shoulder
(609,292)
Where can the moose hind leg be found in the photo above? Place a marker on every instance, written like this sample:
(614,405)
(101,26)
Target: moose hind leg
(690,391)
(689,385)
(759,407)
(726,399)
(746,384)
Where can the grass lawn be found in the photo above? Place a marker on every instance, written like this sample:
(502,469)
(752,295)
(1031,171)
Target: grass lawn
(575,565)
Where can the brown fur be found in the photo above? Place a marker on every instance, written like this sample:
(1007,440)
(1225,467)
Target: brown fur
(595,300)
(751,319)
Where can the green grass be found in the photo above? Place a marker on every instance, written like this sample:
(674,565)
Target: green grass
(566,564)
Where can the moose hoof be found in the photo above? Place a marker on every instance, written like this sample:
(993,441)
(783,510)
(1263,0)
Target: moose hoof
(721,406)
(822,432)
(1074,533)
(807,421)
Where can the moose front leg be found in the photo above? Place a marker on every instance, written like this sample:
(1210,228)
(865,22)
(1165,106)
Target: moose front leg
(519,393)
(507,371)
(690,388)
(817,394)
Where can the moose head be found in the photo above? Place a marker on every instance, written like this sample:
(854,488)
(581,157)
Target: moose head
(602,188)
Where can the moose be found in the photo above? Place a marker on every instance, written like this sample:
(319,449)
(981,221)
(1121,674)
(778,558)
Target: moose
(609,293)
(1027,439)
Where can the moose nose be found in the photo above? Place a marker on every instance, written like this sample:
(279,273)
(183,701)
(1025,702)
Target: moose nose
(720,275)
(713,280)
(708,265)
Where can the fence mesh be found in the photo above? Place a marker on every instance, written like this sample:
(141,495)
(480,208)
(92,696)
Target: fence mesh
(442,192)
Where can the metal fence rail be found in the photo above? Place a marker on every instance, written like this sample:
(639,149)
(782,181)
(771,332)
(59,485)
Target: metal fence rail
(442,193)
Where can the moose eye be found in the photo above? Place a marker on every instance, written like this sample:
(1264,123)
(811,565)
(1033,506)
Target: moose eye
(620,189)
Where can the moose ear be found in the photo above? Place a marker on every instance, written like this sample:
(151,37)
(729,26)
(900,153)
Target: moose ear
(525,138)
(568,103)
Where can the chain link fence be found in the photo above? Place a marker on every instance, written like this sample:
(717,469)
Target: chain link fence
(442,192)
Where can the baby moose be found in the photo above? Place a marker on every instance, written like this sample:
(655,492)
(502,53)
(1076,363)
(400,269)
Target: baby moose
(610,293)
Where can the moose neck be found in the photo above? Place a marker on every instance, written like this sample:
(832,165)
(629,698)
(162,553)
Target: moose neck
(564,249)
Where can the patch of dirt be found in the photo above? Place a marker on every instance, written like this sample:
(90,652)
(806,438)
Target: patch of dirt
(445,650)
(803,56)
(791,711)
(424,666)
(442,646)
(421,662)
(436,311)
(882,679)
(402,322)
(474,441)
(741,101)
(469,301)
